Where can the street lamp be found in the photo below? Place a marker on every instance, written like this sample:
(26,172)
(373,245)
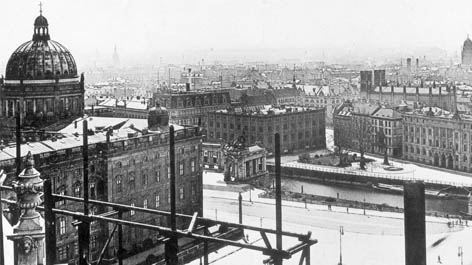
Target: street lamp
(364,205)
(341,233)
(461,255)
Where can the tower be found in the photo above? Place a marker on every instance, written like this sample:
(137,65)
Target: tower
(116,58)
(467,52)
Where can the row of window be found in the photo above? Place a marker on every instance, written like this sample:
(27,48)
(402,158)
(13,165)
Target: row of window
(144,179)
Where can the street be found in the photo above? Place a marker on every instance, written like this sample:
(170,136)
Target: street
(368,239)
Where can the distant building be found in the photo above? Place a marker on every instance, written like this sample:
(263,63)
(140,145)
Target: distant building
(243,163)
(41,76)
(467,52)
(387,132)
(188,108)
(299,128)
(437,137)
(363,125)
(212,156)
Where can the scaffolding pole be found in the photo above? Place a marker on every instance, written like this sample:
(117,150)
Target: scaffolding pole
(278,200)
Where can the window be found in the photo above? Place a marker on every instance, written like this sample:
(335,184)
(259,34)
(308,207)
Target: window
(158,174)
(93,242)
(92,190)
(131,180)
(62,225)
(158,200)
(192,165)
(132,212)
(145,179)
(181,193)
(168,171)
(77,190)
(181,168)
(118,183)
(62,253)
(62,202)
(145,203)
(168,197)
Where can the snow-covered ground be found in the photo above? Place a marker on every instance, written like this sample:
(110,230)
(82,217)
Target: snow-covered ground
(373,238)
(409,171)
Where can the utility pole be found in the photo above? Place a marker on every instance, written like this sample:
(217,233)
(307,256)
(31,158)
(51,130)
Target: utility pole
(341,233)
(240,199)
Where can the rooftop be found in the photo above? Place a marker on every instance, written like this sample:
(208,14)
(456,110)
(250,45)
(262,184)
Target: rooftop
(264,110)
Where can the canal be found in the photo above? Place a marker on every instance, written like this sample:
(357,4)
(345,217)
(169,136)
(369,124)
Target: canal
(372,195)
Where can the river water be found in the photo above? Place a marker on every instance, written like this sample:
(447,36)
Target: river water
(371,195)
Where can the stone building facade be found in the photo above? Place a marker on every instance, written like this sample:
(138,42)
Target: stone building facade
(439,138)
(188,108)
(299,128)
(41,76)
(374,126)
(387,132)
(130,166)
(243,163)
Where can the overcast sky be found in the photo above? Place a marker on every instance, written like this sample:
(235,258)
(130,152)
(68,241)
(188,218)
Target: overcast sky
(90,28)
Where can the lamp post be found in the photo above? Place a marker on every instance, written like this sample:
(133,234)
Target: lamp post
(460,254)
(364,205)
(341,233)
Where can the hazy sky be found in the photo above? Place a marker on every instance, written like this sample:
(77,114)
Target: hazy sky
(155,28)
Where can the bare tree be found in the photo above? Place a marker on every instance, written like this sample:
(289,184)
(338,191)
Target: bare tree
(362,136)
(381,143)
(341,142)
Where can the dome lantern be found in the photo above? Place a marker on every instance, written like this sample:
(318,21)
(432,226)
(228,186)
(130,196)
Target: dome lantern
(41,31)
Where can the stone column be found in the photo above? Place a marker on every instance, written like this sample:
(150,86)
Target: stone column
(28,233)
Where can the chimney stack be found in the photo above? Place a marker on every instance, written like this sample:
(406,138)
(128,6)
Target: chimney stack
(189,84)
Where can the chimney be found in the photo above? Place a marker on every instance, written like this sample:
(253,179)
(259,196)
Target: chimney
(417,64)
(75,124)
(404,92)
(430,96)
(392,94)
(440,97)
(380,93)
(455,100)
(189,84)
(417,94)
(109,133)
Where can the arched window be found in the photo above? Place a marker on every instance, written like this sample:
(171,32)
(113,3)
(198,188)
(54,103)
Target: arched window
(77,189)
(145,179)
(119,185)
(131,180)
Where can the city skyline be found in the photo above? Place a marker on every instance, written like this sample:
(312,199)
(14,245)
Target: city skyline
(185,32)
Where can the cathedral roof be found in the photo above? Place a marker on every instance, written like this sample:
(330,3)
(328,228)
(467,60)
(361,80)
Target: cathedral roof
(41,57)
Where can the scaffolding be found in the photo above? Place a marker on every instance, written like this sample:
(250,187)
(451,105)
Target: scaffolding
(170,234)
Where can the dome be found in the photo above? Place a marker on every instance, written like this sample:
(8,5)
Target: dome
(157,117)
(468,43)
(41,21)
(41,58)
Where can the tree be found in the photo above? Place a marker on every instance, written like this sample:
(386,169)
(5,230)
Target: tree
(341,141)
(362,135)
(381,143)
